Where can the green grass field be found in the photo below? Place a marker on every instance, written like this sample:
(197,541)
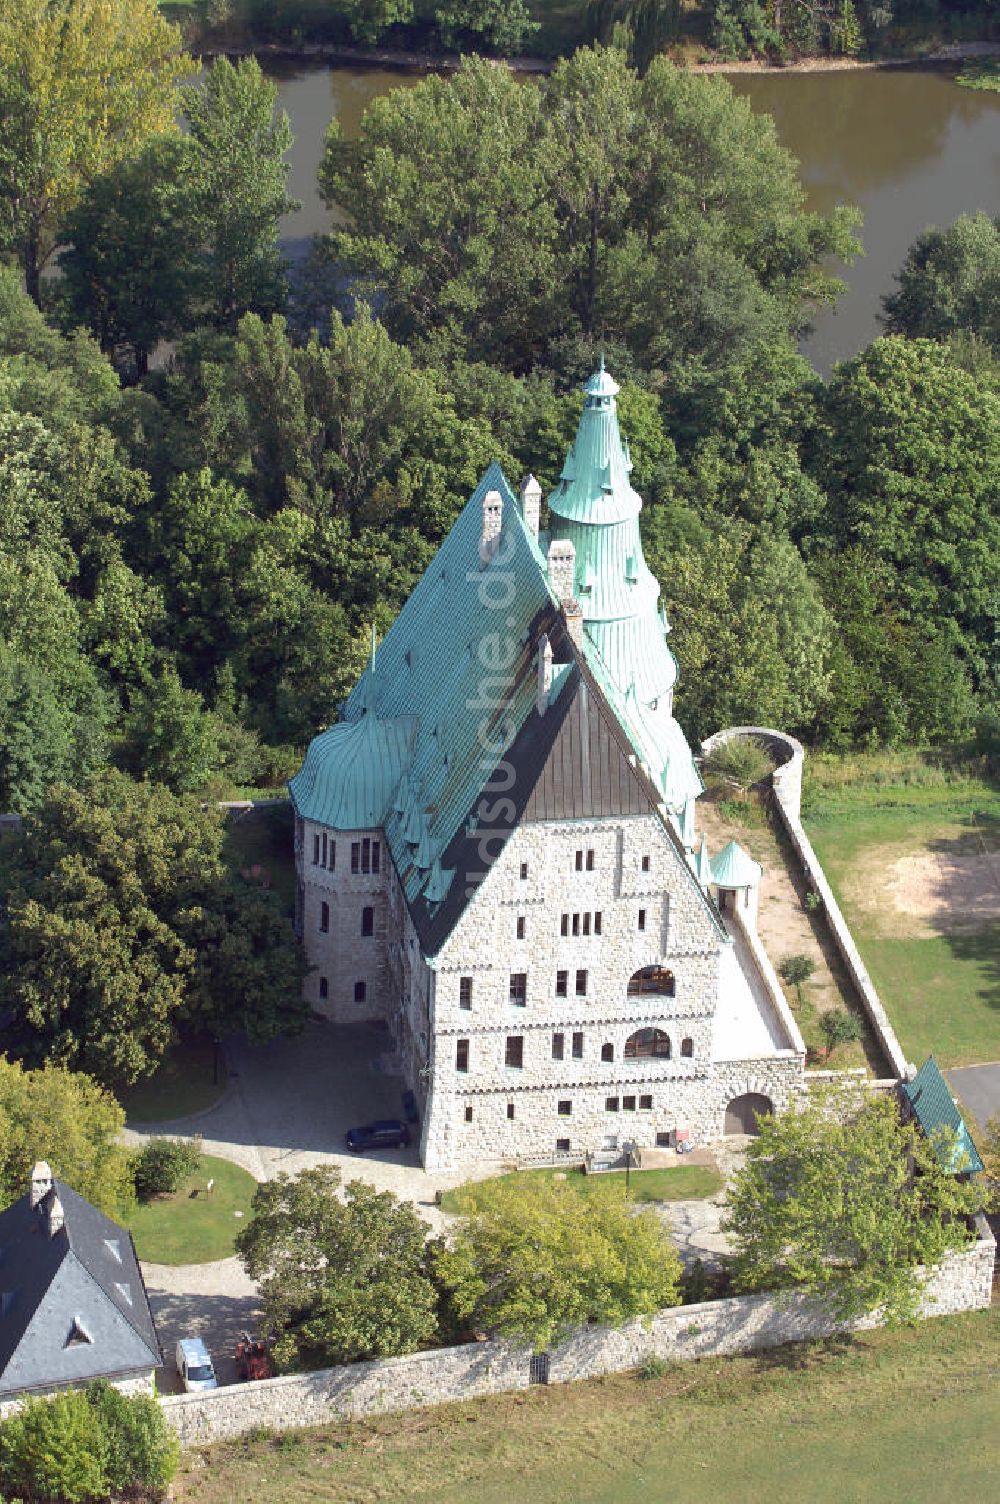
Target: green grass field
(683,1183)
(937,972)
(914,1413)
(191,1226)
(184,1084)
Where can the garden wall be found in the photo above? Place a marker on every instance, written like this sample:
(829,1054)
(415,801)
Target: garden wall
(741,1324)
(787,784)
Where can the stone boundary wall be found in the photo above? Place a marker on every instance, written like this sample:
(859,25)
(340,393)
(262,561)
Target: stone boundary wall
(787,784)
(743,1323)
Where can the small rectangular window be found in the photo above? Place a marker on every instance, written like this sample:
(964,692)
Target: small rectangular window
(376,856)
(645,864)
(323,857)
(331,861)
(586,924)
(663,1140)
(558,1045)
(628,1104)
(324,987)
(577,1046)
(597,922)
(510,1109)
(562,983)
(576,924)
(465,992)
(366,855)
(367,920)
(607,1052)
(324,918)
(579,861)
(524,870)
(520,926)
(646,1104)
(565,1109)
(315,851)
(562,1145)
(355,857)
(564,925)
(610,1104)
(468,1114)
(581,984)
(519,988)
(462,1055)
(514,1052)
(642,919)
(590,859)
(360,992)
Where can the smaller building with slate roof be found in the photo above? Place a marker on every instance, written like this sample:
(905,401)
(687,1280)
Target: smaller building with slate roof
(73,1305)
(935,1109)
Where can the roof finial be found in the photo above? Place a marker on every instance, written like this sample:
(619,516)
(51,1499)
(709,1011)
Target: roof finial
(601,363)
(374,646)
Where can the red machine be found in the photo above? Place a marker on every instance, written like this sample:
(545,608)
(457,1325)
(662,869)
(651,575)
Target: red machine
(252,1361)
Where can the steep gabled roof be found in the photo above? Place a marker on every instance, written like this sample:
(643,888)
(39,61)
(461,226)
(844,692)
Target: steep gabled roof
(86,1271)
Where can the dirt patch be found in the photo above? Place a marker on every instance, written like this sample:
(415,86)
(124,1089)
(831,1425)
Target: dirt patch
(945,891)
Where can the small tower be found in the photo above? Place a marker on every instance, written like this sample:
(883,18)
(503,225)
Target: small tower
(736,879)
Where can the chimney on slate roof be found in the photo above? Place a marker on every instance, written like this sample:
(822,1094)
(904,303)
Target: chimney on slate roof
(41,1182)
(531,504)
(562,569)
(56,1215)
(544,675)
(573,617)
(492,519)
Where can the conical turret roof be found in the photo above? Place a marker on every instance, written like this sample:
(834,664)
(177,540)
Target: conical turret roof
(734,868)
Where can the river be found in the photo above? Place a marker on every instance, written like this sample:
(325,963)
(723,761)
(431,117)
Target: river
(908,146)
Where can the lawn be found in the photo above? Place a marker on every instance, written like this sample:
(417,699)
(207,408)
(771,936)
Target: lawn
(912,1412)
(680,1183)
(192,1226)
(897,843)
(264,838)
(185,1083)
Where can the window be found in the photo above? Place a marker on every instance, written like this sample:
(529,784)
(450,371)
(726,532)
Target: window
(642,920)
(462,1055)
(360,992)
(687,1048)
(514,1053)
(355,856)
(607,1052)
(524,870)
(468,1114)
(646,1043)
(519,988)
(577,1046)
(628,1104)
(562,1145)
(610,1104)
(581,984)
(576,924)
(332,856)
(565,1109)
(520,926)
(663,1140)
(366,856)
(376,855)
(323,858)
(586,924)
(558,1045)
(645,864)
(597,922)
(465,992)
(590,859)
(645,1104)
(367,921)
(315,851)
(510,1110)
(324,918)
(564,925)
(579,861)
(652,979)
(562,983)
(324,987)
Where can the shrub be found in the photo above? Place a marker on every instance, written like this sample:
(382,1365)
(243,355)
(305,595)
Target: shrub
(141,1451)
(164,1164)
(694,1284)
(54,1449)
(839,1027)
(740,762)
(654,1368)
(796,969)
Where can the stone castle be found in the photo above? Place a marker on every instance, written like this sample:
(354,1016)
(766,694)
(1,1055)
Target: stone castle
(497,855)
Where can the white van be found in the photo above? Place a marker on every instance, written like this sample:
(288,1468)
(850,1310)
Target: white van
(195,1365)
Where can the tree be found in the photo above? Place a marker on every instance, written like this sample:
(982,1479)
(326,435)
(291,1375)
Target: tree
(369,20)
(238,181)
(141,1450)
(340,1279)
(83,83)
(70,1122)
(533,1259)
(843,1200)
(501,25)
(950,283)
(839,1027)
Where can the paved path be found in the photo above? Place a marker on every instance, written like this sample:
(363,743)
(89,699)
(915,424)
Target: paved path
(977,1088)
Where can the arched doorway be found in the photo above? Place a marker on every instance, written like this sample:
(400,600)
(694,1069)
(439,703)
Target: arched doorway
(742,1112)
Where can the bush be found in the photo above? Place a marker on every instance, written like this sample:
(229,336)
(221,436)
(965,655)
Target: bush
(839,1027)
(54,1449)
(141,1451)
(796,969)
(164,1164)
(740,762)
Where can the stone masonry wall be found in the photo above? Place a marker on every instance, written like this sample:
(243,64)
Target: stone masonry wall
(787,785)
(745,1323)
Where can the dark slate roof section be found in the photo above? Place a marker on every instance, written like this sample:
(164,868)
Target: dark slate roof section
(36,1268)
(934,1109)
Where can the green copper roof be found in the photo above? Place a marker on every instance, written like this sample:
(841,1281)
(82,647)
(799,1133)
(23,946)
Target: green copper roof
(350,771)
(595,508)
(935,1110)
(733,868)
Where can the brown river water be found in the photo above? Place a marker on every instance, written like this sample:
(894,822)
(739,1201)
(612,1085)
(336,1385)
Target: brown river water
(907,146)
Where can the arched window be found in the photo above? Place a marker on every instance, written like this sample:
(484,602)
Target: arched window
(648,1042)
(687,1047)
(655,979)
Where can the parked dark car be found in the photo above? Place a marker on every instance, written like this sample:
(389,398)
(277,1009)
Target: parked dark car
(390,1134)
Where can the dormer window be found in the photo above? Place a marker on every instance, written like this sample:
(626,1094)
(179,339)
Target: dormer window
(114,1247)
(125,1291)
(78,1334)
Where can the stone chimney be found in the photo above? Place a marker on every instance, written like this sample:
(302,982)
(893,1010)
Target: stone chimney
(531,504)
(41,1182)
(56,1215)
(562,570)
(544,675)
(573,617)
(492,519)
